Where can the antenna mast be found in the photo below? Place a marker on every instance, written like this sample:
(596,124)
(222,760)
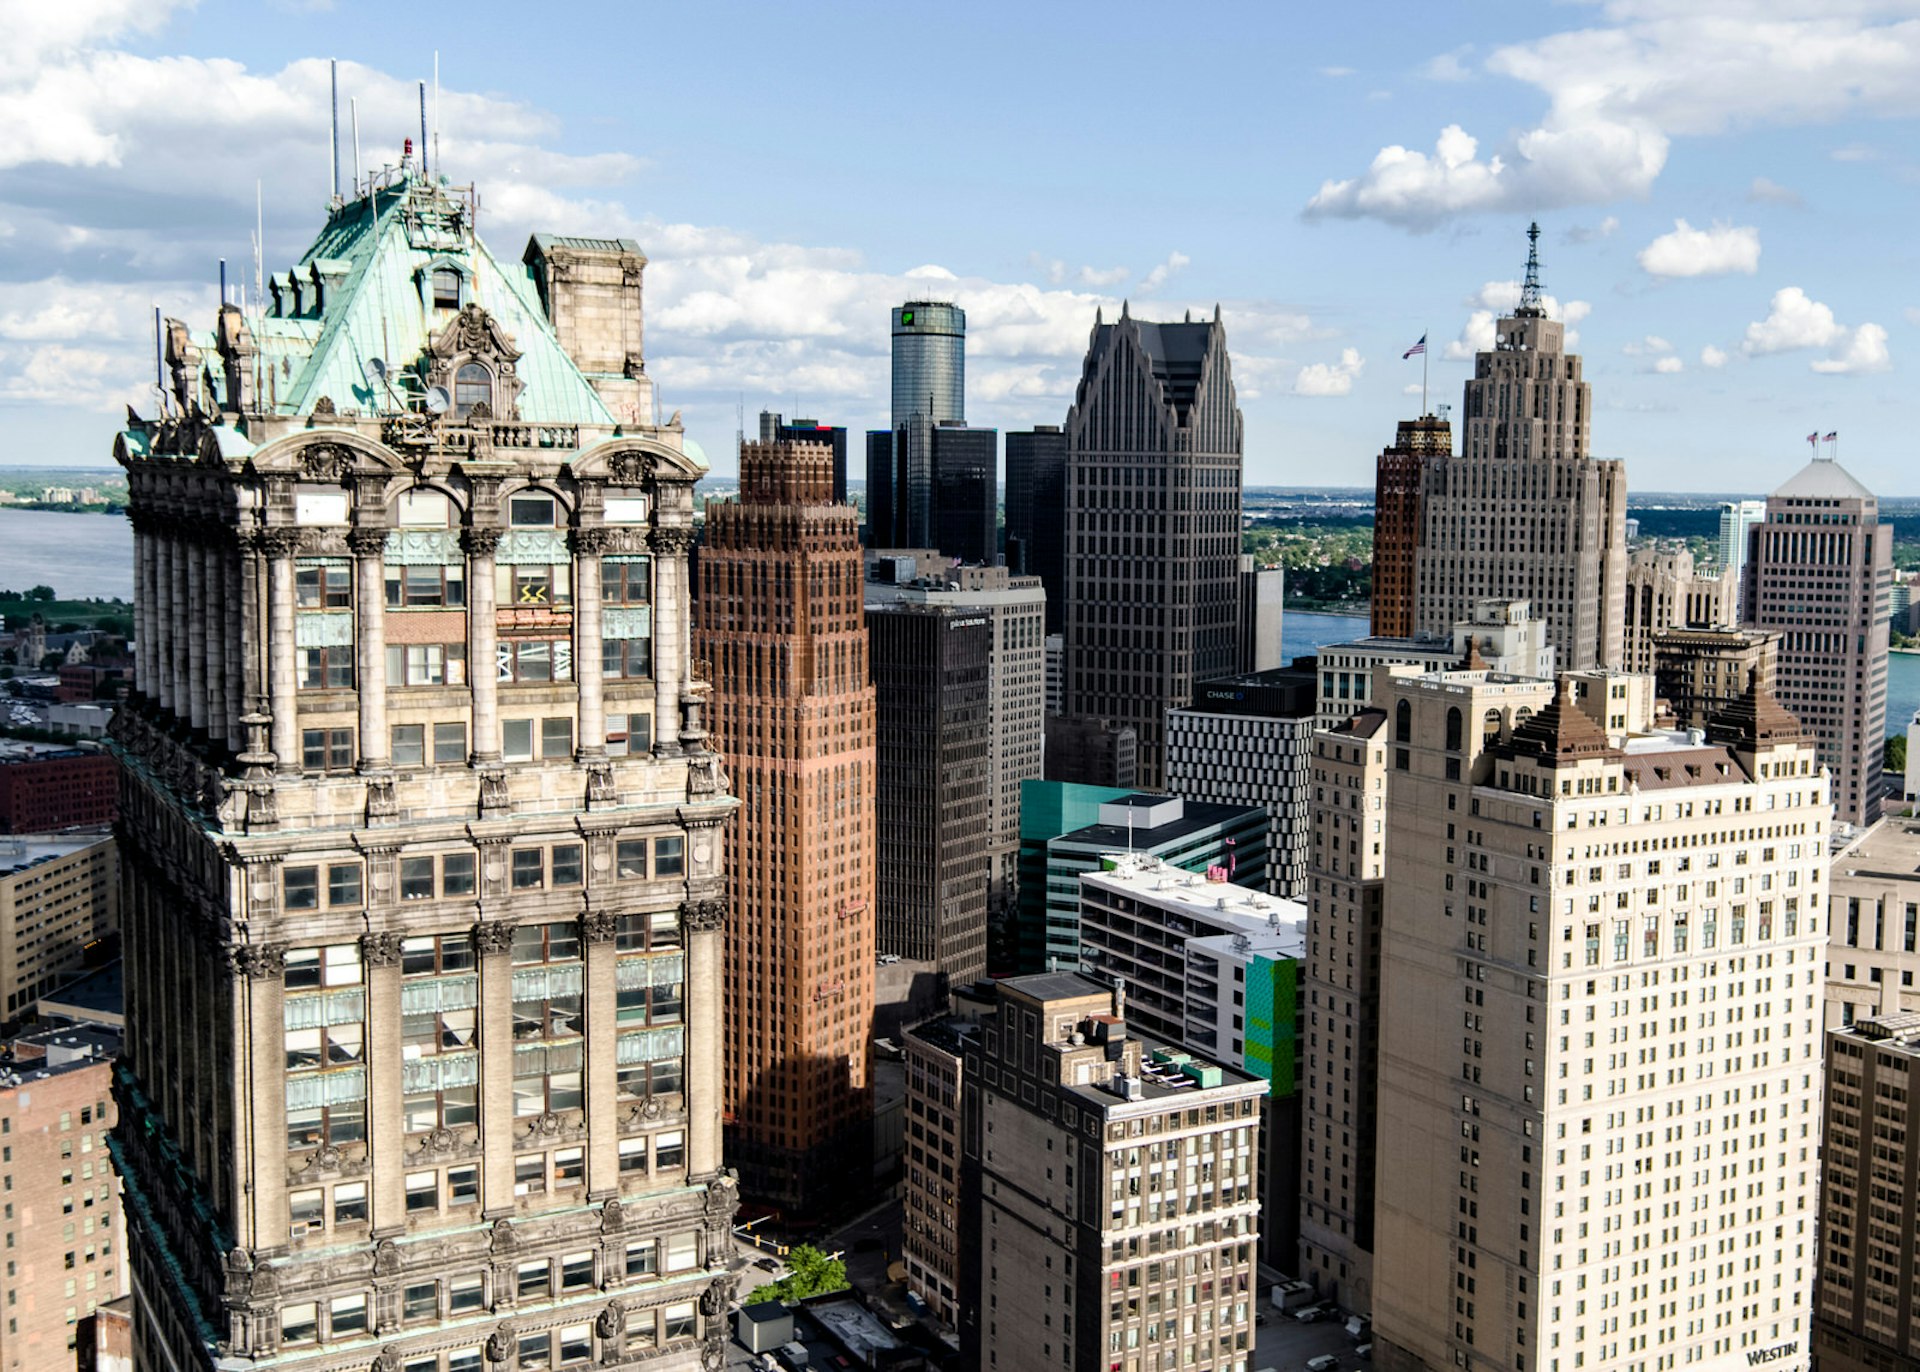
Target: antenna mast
(1530,289)
(423,130)
(259,241)
(353,112)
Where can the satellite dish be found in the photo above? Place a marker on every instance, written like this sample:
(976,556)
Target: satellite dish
(378,366)
(438,401)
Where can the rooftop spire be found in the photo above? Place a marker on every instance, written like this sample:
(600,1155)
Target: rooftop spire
(1530,288)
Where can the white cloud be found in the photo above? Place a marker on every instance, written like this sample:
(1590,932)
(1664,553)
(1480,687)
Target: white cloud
(1330,378)
(1856,152)
(1666,366)
(1580,233)
(1413,388)
(1913,314)
(1157,278)
(1865,351)
(1336,72)
(1449,66)
(1649,346)
(1765,192)
(1711,356)
(1714,251)
(1795,321)
(1619,89)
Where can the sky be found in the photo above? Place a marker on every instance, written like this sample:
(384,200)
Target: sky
(1726,192)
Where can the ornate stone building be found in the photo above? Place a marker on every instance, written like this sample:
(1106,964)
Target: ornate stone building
(423,840)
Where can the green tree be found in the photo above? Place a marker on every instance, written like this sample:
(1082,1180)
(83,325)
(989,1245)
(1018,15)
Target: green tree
(40,593)
(810,1272)
(1896,755)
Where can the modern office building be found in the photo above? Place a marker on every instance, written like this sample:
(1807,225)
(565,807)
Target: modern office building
(1067,831)
(1263,594)
(1065,1250)
(1213,969)
(1037,511)
(1873,935)
(1664,591)
(775,428)
(929,362)
(423,966)
(1248,740)
(1397,476)
(44,790)
(1091,752)
(1550,877)
(1737,519)
(1504,636)
(64,1233)
(938,487)
(1339,1091)
(1866,1318)
(782,623)
(932,677)
(58,897)
(1700,672)
(1014,608)
(1153,526)
(1524,512)
(1818,572)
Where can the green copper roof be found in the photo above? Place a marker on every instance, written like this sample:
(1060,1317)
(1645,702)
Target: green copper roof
(363,290)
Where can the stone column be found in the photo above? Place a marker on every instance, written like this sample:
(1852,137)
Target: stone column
(185,701)
(597,929)
(588,547)
(369,546)
(143,602)
(159,647)
(283,676)
(703,927)
(213,619)
(670,547)
(259,999)
(493,940)
(483,637)
(386,1126)
(239,566)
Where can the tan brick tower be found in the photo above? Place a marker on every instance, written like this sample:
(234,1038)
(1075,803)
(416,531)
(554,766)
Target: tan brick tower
(782,625)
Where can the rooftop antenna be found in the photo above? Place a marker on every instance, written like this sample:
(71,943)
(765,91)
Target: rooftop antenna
(159,364)
(1530,289)
(333,80)
(223,282)
(353,112)
(259,241)
(436,107)
(423,130)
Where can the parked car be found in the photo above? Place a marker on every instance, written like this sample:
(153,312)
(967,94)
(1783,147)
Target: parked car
(1364,1352)
(1308,1314)
(1326,1362)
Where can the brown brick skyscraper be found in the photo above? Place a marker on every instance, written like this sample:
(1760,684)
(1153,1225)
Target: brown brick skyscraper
(782,623)
(1396,519)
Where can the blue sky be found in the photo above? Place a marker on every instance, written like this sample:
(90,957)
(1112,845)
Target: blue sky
(1726,191)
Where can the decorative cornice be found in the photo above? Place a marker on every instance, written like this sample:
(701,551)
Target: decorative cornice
(366,541)
(380,950)
(591,542)
(281,541)
(260,961)
(597,926)
(702,916)
(480,542)
(671,542)
(493,936)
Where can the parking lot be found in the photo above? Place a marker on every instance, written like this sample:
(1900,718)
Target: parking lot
(1283,1344)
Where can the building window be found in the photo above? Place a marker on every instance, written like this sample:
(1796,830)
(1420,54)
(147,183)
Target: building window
(326,750)
(429,587)
(629,734)
(300,1323)
(449,744)
(535,1280)
(323,585)
(669,856)
(633,1157)
(531,510)
(343,883)
(534,660)
(446,288)
(420,1301)
(350,1203)
(465,1295)
(423,1192)
(576,1344)
(677,1322)
(427,664)
(326,669)
(463,1188)
(626,657)
(472,385)
(626,581)
(409,745)
(670,1151)
(643,1258)
(529,869)
(569,1167)
(346,1315)
(556,738)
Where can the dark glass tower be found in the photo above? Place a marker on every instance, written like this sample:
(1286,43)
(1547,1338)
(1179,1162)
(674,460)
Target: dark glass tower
(1153,530)
(929,362)
(1037,511)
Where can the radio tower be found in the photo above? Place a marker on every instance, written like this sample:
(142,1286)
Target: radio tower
(1530,289)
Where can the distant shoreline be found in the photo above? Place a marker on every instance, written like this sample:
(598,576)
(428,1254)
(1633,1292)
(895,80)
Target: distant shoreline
(1359,612)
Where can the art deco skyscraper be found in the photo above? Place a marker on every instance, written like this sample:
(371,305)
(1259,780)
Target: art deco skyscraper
(1820,572)
(1397,476)
(1153,526)
(1523,512)
(423,844)
(782,623)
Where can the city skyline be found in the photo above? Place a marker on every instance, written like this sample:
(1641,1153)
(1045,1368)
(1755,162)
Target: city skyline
(1328,261)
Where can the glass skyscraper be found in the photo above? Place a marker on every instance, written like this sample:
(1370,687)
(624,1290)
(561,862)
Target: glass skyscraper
(929,362)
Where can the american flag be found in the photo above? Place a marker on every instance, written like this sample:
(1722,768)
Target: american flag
(1813,439)
(1833,437)
(1416,349)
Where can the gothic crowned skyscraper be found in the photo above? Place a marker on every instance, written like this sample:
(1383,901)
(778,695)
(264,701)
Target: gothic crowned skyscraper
(1153,526)
(423,842)
(1523,513)
(782,623)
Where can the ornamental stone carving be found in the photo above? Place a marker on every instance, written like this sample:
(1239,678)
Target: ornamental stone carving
(501,1343)
(365,541)
(597,926)
(386,1258)
(613,1216)
(493,936)
(380,950)
(260,961)
(591,542)
(479,542)
(610,1321)
(389,1359)
(671,542)
(631,469)
(713,1300)
(504,1238)
(701,916)
(325,462)
(281,541)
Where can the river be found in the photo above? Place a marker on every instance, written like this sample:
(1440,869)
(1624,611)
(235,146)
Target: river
(82,556)
(1302,632)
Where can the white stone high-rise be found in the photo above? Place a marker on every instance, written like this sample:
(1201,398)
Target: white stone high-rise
(1820,572)
(1600,1031)
(1523,512)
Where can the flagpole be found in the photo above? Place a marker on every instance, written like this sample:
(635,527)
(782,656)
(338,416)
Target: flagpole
(1423,376)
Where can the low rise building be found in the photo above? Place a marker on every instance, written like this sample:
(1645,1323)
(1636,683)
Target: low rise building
(1700,672)
(44,790)
(935,1052)
(1503,636)
(1873,933)
(58,896)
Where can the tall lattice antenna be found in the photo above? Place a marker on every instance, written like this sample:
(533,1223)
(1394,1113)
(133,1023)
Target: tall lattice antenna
(1530,289)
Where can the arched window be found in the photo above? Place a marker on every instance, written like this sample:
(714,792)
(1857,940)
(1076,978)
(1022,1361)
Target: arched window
(1403,722)
(1490,727)
(472,385)
(1454,730)
(446,288)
